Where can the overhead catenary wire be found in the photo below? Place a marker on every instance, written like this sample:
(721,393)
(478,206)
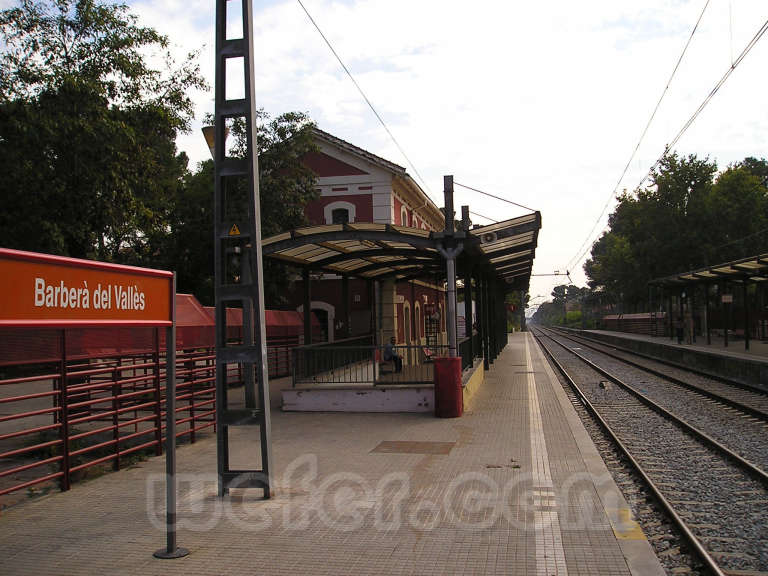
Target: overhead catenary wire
(484,217)
(737,240)
(759,34)
(573,261)
(493,196)
(367,101)
(751,44)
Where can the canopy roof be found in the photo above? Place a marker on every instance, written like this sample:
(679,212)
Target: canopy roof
(376,251)
(753,269)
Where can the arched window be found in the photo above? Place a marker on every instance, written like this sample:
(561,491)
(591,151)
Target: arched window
(336,212)
(403,216)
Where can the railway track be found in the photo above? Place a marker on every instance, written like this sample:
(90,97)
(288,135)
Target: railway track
(716,497)
(745,397)
(742,428)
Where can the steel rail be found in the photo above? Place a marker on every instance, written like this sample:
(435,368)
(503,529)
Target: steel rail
(693,387)
(748,466)
(695,543)
(697,371)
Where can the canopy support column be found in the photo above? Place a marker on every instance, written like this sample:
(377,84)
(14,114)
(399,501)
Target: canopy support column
(692,308)
(706,313)
(481,316)
(468,310)
(746,317)
(346,329)
(726,314)
(307,307)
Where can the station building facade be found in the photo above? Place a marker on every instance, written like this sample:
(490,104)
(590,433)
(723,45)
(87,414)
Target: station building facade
(356,186)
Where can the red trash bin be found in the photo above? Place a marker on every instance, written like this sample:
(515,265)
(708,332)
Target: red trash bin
(449,397)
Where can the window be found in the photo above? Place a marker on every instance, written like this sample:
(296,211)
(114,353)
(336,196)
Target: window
(419,323)
(403,216)
(339,212)
(339,216)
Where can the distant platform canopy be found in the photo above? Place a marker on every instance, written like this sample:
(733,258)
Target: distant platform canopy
(377,251)
(752,269)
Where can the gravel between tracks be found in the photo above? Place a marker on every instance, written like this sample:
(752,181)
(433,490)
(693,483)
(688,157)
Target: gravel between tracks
(733,391)
(745,435)
(722,505)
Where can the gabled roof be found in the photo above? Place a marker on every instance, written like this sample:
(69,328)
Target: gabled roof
(398,172)
(357,151)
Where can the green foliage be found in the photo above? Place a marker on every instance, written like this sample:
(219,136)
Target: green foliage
(87,130)
(560,311)
(689,217)
(519,300)
(573,319)
(285,186)
(548,314)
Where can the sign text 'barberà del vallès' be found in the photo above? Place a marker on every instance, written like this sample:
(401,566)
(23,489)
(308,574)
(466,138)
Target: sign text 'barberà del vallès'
(38,289)
(107,297)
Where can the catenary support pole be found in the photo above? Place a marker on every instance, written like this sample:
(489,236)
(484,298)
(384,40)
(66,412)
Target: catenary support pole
(449,250)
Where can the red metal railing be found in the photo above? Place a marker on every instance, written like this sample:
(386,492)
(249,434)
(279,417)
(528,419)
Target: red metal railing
(58,420)
(67,407)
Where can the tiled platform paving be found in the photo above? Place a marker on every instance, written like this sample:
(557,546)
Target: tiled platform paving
(513,487)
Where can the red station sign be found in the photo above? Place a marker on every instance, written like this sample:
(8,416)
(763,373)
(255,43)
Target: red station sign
(44,290)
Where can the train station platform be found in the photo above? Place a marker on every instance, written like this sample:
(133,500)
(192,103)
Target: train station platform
(515,486)
(748,366)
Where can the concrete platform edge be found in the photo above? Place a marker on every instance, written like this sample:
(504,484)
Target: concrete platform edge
(638,553)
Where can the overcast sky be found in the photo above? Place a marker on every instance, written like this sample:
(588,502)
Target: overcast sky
(539,102)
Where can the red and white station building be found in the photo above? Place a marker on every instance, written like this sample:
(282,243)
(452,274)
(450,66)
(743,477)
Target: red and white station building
(356,186)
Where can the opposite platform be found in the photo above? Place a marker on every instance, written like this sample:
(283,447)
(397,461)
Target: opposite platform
(514,487)
(733,362)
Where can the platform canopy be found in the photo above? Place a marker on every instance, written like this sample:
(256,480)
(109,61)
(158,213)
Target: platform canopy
(378,251)
(752,269)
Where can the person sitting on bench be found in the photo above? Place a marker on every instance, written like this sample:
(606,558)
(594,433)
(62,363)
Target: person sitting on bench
(391,355)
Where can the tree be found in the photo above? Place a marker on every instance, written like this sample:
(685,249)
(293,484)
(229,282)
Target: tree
(87,130)
(188,248)
(737,214)
(285,186)
(689,217)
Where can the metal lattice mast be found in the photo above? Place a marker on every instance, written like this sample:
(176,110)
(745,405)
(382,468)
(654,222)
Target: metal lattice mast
(238,258)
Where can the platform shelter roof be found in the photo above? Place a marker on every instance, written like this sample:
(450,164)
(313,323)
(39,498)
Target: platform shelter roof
(377,251)
(752,269)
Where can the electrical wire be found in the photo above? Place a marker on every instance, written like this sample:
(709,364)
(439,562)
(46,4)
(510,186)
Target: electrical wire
(367,101)
(573,262)
(494,196)
(763,231)
(484,217)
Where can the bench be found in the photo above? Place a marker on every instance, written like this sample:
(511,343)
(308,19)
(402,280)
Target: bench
(380,363)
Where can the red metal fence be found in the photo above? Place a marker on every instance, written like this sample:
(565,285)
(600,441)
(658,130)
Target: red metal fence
(60,417)
(74,401)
